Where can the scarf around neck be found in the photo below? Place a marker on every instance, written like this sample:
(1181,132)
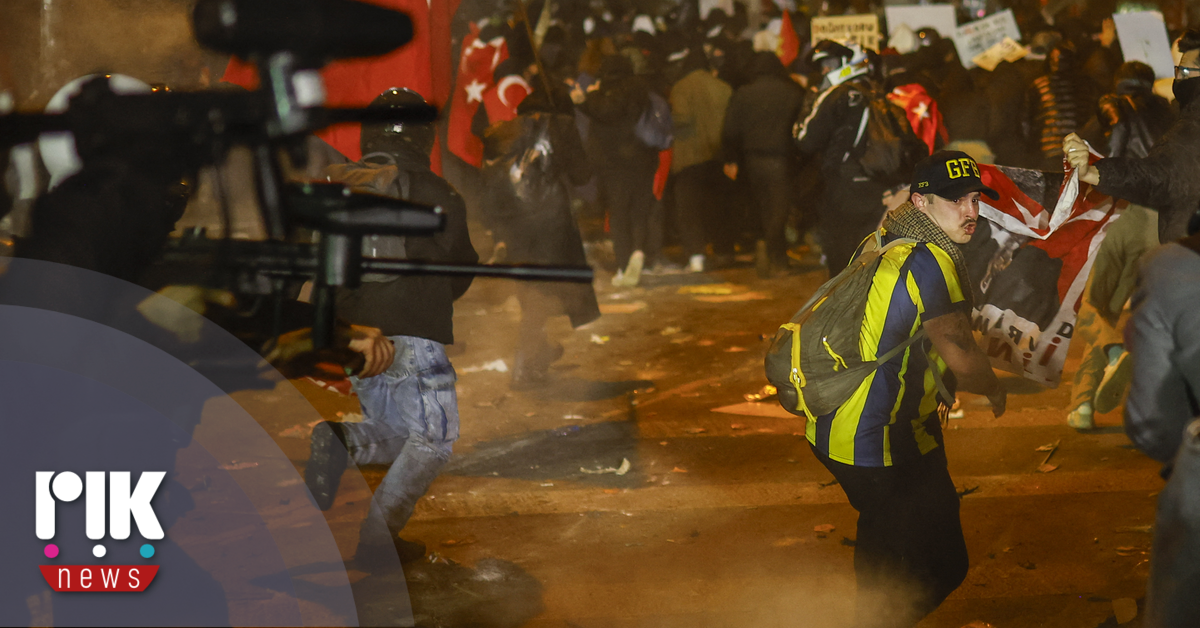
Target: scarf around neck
(907,221)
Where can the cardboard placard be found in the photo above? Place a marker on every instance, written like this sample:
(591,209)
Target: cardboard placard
(1143,37)
(863,29)
(1007,50)
(975,38)
(937,16)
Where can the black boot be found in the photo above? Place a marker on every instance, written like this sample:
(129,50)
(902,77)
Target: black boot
(326,463)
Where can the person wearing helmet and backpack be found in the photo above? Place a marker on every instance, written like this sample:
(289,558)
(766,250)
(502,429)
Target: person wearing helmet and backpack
(841,128)
(410,410)
(872,363)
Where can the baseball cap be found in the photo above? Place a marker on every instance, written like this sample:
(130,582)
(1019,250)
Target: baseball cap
(950,174)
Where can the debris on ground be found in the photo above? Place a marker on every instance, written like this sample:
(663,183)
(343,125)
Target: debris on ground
(766,392)
(705,343)
(829,483)
(597,339)
(1147,529)
(1130,551)
(679,470)
(497,366)
(300,431)
(786,541)
(736,426)
(735,349)
(967,490)
(459,542)
(668,331)
(710,288)
(339,385)
(824,528)
(1125,609)
(619,471)
(695,430)
(1027,565)
(234,465)
(1046,467)
(622,308)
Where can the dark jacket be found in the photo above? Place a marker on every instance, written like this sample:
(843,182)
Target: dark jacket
(528,162)
(614,110)
(1134,122)
(832,126)
(418,305)
(1165,180)
(761,113)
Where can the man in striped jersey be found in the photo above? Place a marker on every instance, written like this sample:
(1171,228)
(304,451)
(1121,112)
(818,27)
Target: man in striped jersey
(884,444)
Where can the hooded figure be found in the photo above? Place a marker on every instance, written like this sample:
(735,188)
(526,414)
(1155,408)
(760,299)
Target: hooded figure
(528,163)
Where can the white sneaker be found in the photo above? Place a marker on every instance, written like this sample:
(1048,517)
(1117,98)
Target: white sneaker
(696,264)
(618,279)
(633,271)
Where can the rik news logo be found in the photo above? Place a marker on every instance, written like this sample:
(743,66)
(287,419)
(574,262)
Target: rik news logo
(109,505)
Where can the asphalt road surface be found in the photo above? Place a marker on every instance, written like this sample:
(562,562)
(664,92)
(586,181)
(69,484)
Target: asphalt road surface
(640,488)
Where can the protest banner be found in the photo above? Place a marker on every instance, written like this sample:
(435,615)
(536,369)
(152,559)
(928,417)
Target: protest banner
(1143,37)
(937,16)
(975,38)
(863,29)
(1029,261)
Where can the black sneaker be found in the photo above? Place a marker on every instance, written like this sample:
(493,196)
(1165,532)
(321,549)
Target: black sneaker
(372,558)
(326,463)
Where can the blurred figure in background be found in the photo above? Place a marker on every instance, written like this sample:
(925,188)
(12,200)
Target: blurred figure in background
(698,103)
(528,163)
(756,145)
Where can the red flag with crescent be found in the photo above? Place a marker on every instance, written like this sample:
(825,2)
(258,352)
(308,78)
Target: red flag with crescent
(477,63)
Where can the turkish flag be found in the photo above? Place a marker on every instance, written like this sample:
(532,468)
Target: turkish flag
(501,100)
(476,65)
(922,112)
(422,65)
(789,43)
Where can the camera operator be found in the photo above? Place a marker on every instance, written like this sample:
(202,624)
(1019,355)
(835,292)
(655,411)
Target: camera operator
(410,409)
(1165,179)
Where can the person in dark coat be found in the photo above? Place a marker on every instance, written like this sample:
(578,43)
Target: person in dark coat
(1133,116)
(625,165)
(410,410)
(528,163)
(756,144)
(1165,179)
(853,203)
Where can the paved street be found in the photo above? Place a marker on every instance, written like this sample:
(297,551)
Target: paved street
(723,516)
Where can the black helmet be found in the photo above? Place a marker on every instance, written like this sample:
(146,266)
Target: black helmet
(394,136)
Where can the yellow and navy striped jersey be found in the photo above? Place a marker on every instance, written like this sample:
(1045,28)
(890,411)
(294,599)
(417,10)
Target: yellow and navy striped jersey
(892,417)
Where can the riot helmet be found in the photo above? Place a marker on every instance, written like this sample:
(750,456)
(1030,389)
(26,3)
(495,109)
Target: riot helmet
(394,137)
(840,61)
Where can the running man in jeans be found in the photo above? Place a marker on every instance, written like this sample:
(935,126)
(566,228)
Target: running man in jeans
(410,410)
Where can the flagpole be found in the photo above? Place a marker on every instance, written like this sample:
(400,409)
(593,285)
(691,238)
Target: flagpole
(537,57)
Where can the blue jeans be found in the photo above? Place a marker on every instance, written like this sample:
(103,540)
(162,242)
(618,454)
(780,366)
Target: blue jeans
(410,421)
